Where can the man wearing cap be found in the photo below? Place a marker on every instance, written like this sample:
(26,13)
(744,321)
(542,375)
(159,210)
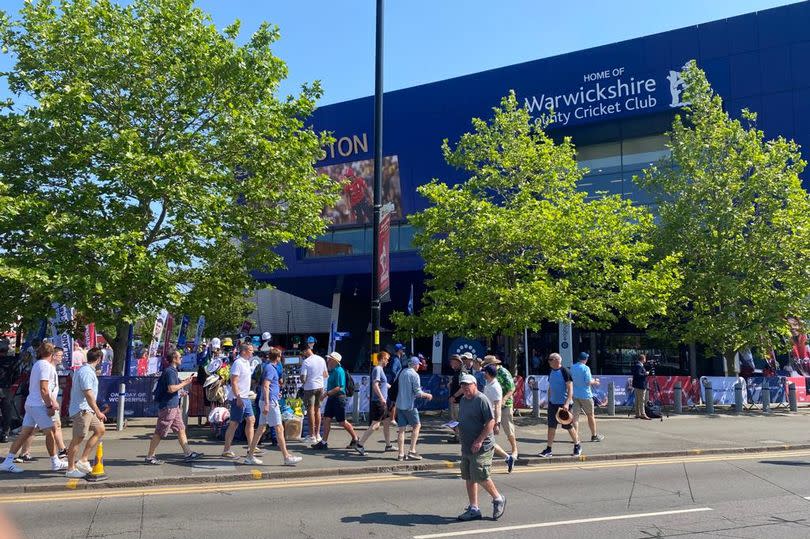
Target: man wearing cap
(583,396)
(410,389)
(270,412)
(476,422)
(398,361)
(507,412)
(455,391)
(379,407)
(241,406)
(335,402)
(313,374)
(560,393)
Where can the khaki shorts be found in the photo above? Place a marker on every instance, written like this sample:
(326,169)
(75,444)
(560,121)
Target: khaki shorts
(476,467)
(453,410)
(581,406)
(312,397)
(508,421)
(83,422)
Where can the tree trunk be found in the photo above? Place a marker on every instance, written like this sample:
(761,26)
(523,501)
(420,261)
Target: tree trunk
(119,345)
(728,356)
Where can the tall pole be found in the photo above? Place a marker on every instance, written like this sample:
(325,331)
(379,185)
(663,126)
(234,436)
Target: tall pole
(378,166)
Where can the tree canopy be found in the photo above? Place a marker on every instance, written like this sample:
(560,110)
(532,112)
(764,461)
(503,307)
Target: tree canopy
(733,209)
(147,155)
(516,244)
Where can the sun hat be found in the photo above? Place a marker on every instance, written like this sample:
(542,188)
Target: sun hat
(467,355)
(467,379)
(334,355)
(564,417)
(211,379)
(491,360)
(227,341)
(455,357)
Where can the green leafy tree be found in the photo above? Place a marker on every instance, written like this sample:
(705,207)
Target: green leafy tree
(516,244)
(141,145)
(733,208)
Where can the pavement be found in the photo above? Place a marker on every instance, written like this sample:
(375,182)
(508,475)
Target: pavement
(625,438)
(746,495)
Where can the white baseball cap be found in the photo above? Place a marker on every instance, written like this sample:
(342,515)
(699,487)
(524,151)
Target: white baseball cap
(215,343)
(467,379)
(266,336)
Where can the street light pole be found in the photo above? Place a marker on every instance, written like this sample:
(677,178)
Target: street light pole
(378,166)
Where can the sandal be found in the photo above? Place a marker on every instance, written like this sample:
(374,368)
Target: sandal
(152,460)
(192,456)
(229,454)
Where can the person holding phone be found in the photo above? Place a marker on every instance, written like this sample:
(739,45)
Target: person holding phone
(167,395)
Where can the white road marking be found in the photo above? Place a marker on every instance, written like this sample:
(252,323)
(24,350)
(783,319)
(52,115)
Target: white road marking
(561,523)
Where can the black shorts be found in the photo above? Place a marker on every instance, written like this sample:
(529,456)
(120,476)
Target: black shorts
(336,408)
(552,417)
(378,411)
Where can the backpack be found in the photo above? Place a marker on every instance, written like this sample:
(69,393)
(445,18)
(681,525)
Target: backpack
(393,388)
(349,384)
(160,392)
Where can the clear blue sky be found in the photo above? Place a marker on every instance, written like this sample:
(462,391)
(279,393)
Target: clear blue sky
(430,40)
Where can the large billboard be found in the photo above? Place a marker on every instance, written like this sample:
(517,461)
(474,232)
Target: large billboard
(356,204)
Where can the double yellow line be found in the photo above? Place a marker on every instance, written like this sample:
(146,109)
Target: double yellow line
(199,489)
(270,484)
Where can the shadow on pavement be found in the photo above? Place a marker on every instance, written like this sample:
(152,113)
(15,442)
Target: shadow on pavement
(785,462)
(409,520)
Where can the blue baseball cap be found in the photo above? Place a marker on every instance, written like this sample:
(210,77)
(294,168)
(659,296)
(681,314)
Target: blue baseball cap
(399,346)
(583,356)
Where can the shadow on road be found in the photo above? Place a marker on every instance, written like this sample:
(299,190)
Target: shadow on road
(785,462)
(408,520)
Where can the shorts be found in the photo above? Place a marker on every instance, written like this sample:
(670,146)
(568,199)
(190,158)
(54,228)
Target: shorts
(240,414)
(582,406)
(407,418)
(378,411)
(271,419)
(312,397)
(508,421)
(476,467)
(336,408)
(453,410)
(169,419)
(552,417)
(83,422)
(37,417)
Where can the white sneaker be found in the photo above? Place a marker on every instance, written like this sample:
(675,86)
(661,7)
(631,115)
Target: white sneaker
(75,474)
(62,465)
(11,468)
(311,440)
(251,460)
(292,460)
(319,439)
(84,466)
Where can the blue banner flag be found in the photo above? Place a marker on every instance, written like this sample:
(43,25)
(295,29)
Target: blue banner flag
(410,302)
(181,337)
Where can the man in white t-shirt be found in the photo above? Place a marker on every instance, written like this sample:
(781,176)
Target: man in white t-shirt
(494,392)
(241,405)
(313,374)
(40,406)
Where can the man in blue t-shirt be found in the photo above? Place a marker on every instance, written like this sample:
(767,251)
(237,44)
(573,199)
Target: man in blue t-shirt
(583,396)
(170,418)
(336,402)
(379,408)
(560,394)
(270,411)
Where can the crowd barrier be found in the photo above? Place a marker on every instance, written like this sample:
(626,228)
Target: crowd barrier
(139,389)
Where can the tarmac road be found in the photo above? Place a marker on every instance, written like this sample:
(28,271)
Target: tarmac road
(751,495)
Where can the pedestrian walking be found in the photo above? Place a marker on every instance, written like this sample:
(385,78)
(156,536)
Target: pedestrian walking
(379,406)
(335,402)
(476,423)
(410,389)
(241,406)
(560,395)
(583,396)
(170,419)
(507,403)
(494,393)
(455,391)
(313,375)
(85,415)
(40,407)
(640,386)
(270,411)
(59,439)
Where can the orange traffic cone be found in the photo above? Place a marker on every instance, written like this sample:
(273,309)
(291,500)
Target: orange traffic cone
(97,473)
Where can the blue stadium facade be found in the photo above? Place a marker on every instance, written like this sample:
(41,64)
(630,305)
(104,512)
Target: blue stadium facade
(615,101)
